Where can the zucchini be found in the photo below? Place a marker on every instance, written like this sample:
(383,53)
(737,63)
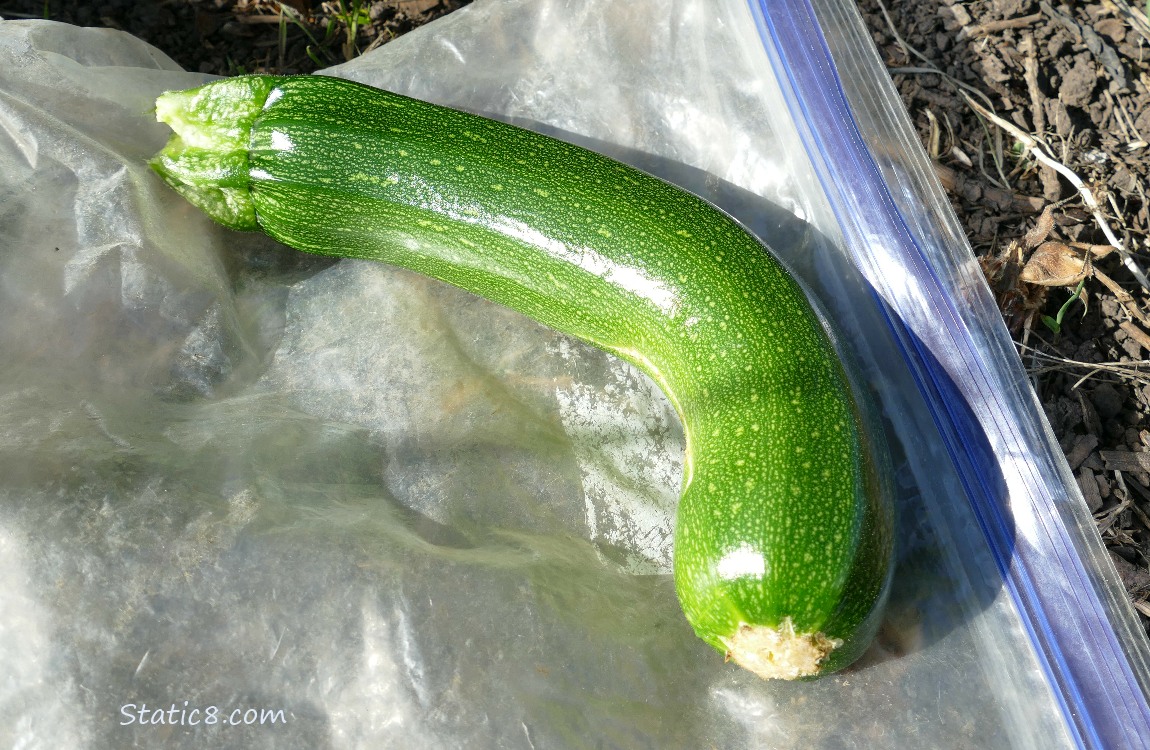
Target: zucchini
(783,535)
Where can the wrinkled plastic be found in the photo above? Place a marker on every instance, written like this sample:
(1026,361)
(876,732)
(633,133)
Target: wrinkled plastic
(236,476)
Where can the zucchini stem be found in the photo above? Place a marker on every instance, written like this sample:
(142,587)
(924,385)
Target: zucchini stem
(779,653)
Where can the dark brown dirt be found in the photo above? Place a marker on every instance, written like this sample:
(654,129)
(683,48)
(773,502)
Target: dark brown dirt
(231,37)
(1074,77)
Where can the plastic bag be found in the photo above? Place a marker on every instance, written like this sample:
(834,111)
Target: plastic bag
(360,508)
(1054,568)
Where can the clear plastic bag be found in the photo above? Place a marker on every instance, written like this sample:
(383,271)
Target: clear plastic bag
(381,512)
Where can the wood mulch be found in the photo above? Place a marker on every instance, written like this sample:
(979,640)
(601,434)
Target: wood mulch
(1035,114)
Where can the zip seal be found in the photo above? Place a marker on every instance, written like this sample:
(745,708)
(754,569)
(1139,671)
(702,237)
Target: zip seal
(1020,492)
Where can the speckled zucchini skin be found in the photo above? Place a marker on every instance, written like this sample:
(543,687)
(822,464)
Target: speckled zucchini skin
(782,515)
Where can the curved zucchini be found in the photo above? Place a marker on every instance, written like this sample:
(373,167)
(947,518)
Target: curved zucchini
(783,534)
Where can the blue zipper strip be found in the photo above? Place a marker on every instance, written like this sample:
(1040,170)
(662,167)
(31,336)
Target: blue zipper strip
(1061,609)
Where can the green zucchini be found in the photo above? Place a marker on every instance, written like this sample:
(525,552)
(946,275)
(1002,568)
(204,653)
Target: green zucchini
(783,535)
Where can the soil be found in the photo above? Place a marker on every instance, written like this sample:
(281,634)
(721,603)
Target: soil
(1037,118)
(232,37)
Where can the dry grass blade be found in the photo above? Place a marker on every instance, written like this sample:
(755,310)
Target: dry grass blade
(1138,371)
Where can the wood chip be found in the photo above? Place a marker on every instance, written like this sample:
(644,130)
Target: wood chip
(1090,416)
(1083,446)
(1139,490)
(1125,460)
(1135,578)
(1088,484)
(1141,515)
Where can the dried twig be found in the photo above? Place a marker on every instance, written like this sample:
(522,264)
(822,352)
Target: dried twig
(1133,331)
(1035,148)
(974,191)
(990,27)
(1124,298)
(1046,175)
(1030,71)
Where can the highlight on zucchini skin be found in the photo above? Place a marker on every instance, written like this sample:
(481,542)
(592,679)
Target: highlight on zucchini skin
(783,542)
